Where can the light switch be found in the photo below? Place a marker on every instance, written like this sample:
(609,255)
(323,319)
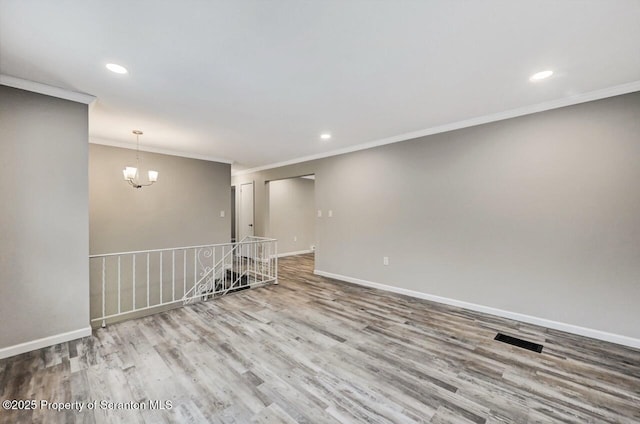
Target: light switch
(319,213)
(221,214)
(330,213)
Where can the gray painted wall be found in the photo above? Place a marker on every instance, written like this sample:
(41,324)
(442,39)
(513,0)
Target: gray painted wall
(44,231)
(538,215)
(181,209)
(291,214)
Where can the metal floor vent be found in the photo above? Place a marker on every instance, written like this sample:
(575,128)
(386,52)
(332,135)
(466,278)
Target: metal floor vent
(519,342)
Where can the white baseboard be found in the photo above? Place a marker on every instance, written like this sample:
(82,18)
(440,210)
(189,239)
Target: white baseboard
(299,252)
(6,352)
(569,328)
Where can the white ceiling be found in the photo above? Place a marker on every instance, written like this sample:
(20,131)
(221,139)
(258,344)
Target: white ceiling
(256,82)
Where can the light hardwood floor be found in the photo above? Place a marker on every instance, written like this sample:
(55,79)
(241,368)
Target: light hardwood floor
(315,350)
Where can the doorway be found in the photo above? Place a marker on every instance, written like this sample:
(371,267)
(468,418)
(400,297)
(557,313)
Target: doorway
(233,214)
(291,215)
(245,212)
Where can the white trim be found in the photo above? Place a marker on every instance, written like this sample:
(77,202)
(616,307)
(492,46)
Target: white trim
(243,241)
(49,90)
(479,120)
(299,252)
(6,352)
(123,145)
(569,328)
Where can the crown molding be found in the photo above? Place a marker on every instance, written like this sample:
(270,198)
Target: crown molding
(485,119)
(49,90)
(122,145)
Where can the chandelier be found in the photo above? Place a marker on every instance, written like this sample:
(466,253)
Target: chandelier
(131,172)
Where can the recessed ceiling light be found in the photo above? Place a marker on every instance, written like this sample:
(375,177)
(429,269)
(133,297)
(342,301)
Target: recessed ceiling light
(540,75)
(325,136)
(118,69)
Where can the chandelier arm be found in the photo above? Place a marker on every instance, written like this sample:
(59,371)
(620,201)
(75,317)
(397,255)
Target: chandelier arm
(139,185)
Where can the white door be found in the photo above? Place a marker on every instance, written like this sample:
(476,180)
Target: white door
(245,221)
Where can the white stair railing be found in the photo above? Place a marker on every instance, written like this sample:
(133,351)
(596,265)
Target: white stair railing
(136,283)
(246,264)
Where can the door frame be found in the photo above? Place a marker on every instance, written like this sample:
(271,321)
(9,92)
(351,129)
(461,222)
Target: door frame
(239,209)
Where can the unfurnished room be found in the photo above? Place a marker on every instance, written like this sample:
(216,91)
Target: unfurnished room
(305,211)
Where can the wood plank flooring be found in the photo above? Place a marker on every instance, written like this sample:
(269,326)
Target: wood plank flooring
(315,350)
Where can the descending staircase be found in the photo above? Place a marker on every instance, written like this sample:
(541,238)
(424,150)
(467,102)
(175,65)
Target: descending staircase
(245,266)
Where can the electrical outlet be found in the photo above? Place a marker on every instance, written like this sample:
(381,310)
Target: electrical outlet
(313,247)
(385,260)
(221,214)
(319,213)
(330,213)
